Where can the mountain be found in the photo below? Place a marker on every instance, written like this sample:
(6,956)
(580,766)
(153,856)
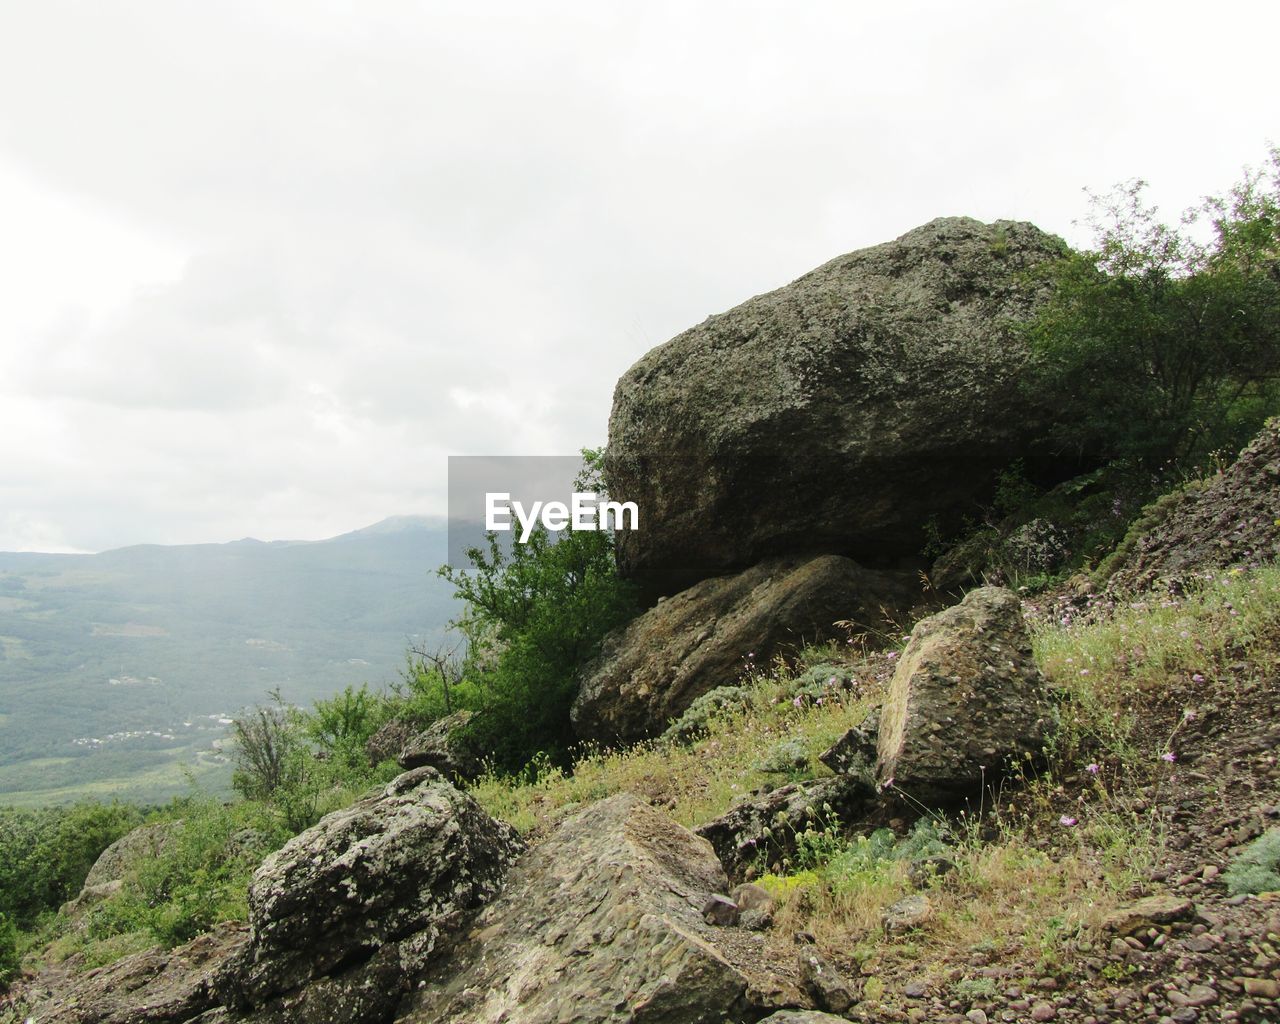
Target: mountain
(119,671)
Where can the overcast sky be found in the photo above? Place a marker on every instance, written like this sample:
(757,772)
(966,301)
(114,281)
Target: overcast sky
(264,265)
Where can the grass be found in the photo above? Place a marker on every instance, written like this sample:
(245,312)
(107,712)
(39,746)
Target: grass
(698,782)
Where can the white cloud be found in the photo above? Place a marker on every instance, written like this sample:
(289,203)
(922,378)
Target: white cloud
(271,263)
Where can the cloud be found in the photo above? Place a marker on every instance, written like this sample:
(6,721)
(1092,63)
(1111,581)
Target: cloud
(312,248)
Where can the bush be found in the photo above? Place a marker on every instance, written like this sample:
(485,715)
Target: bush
(199,878)
(1257,868)
(534,616)
(45,854)
(10,959)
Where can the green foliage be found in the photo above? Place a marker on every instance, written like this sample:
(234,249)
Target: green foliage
(1158,345)
(306,764)
(45,854)
(10,959)
(1257,868)
(346,721)
(199,877)
(535,614)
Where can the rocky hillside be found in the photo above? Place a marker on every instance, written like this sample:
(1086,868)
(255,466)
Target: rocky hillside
(818,797)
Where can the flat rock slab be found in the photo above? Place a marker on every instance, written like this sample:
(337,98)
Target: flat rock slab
(600,923)
(708,636)
(152,987)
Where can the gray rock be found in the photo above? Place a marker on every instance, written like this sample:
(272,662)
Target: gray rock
(802,1017)
(601,922)
(390,739)
(909,912)
(763,827)
(152,987)
(440,746)
(837,414)
(413,862)
(720,911)
(854,753)
(830,989)
(652,670)
(966,702)
(117,860)
(1227,520)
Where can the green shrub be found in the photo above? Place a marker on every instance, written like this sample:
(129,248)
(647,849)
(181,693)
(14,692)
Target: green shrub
(45,854)
(534,616)
(10,959)
(1257,868)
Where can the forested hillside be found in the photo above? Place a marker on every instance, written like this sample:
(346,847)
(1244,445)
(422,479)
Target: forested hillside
(120,671)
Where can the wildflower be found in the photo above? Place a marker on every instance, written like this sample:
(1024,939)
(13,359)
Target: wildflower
(1084,671)
(1197,678)
(751,654)
(891,655)
(1168,755)
(1093,769)
(888,783)
(798,701)
(1066,821)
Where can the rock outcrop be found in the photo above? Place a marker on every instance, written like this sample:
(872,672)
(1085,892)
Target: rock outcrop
(838,414)
(1232,519)
(762,828)
(600,923)
(439,746)
(650,671)
(152,987)
(409,865)
(966,702)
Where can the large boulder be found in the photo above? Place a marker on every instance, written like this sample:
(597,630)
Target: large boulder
(839,414)
(412,863)
(601,922)
(1232,519)
(650,671)
(966,702)
(117,860)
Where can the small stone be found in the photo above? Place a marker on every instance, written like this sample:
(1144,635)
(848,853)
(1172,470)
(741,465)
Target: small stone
(1044,1011)
(1267,988)
(720,911)
(909,912)
(1199,944)
(1201,995)
(915,989)
(756,920)
(1184,1015)
(1161,909)
(829,988)
(976,1016)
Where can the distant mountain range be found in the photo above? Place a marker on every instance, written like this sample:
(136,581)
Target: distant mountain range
(119,671)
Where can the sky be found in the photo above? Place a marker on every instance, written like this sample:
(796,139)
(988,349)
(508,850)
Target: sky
(265,265)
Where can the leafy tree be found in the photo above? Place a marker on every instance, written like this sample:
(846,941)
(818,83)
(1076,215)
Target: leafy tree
(1163,342)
